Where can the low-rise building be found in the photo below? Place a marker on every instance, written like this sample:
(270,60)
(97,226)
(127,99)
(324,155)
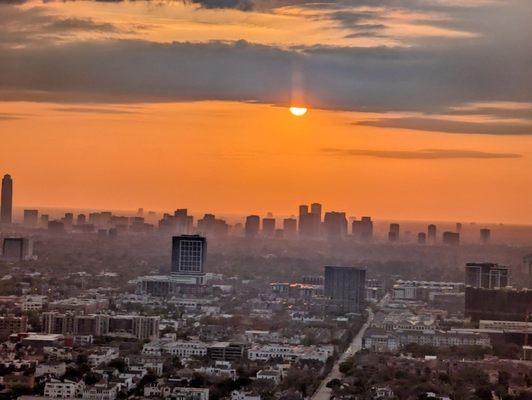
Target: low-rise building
(54,369)
(101,391)
(243,395)
(289,353)
(270,375)
(379,340)
(56,389)
(221,369)
(165,390)
(103,355)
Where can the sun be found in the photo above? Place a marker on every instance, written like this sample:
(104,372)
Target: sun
(298,111)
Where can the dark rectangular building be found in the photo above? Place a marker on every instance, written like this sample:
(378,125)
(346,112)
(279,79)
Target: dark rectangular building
(188,254)
(346,287)
(497,304)
(486,275)
(17,249)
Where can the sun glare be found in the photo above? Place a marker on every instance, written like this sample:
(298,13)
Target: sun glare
(298,111)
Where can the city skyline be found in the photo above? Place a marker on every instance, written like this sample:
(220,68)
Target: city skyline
(265,200)
(18,212)
(415,110)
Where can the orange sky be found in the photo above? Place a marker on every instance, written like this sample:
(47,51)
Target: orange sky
(96,110)
(238,158)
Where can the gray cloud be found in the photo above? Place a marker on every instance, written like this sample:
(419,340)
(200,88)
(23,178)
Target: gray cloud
(243,5)
(426,154)
(80,24)
(10,116)
(376,79)
(433,77)
(95,110)
(450,126)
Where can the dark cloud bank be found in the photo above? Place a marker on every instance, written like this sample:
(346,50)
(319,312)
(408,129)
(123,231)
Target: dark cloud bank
(426,78)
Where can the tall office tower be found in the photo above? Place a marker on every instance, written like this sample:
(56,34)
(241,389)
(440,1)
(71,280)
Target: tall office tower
(206,224)
(431,230)
(306,223)
(315,210)
(335,225)
(485,235)
(363,229)
(252,226)
(31,218)
(221,228)
(81,219)
(140,212)
(393,234)
(303,210)
(458,227)
(188,254)
(183,221)
(345,286)
(451,238)
(17,249)
(486,275)
(56,227)
(44,220)
(422,238)
(6,209)
(268,227)
(68,219)
(289,227)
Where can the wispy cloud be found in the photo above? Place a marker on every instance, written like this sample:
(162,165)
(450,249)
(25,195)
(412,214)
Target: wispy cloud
(424,154)
(451,126)
(93,110)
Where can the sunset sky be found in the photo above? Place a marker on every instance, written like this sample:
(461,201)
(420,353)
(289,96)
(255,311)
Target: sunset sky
(418,109)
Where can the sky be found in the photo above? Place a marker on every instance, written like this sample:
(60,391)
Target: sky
(418,109)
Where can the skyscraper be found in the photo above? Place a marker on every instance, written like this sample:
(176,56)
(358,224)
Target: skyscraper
(268,227)
(422,238)
(17,249)
(393,234)
(290,227)
(486,275)
(451,238)
(346,287)
(363,229)
(188,254)
(6,211)
(431,230)
(335,225)
(31,218)
(306,222)
(485,235)
(315,210)
(252,226)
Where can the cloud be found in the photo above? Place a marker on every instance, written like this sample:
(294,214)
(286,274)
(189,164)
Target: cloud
(95,110)
(451,126)
(22,27)
(10,116)
(426,154)
(80,24)
(243,5)
(433,77)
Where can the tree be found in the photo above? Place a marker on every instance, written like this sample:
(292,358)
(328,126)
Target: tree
(119,364)
(91,378)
